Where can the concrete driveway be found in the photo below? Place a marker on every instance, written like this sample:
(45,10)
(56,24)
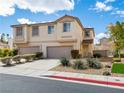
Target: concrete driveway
(31,68)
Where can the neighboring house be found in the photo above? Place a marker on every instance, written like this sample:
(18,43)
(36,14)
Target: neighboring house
(3,45)
(55,39)
(105,47)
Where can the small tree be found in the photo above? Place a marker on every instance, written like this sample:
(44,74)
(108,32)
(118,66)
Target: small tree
(2,38)
(7,36)
(116,33)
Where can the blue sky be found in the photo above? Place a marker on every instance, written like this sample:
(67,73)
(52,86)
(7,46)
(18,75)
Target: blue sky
(92,13)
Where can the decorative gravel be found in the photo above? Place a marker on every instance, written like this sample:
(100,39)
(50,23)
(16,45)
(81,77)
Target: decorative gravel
(87,71)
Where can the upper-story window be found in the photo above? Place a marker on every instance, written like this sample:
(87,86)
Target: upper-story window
(87,33)
(66,27)
(35,31)
(19,31)
(50,29)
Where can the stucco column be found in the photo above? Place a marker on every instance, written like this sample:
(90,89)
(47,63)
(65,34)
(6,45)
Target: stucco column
(44,50)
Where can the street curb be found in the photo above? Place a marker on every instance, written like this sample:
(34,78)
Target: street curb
(88,80)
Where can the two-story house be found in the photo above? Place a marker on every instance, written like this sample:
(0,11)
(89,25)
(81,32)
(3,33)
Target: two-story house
(55,39)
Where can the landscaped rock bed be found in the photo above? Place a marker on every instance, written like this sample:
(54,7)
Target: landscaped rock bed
(88,71)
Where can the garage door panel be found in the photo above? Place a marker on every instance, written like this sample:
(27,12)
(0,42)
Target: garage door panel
(29,50)
(59,52)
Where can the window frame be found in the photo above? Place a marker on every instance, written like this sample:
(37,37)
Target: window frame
(50,29)
(35,31)
(66,26)
(87,33)
(19,31)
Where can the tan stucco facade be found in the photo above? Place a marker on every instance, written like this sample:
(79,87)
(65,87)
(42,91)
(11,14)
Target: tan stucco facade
(72,38)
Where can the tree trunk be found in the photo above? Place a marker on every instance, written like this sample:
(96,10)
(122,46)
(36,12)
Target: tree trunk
(119,54)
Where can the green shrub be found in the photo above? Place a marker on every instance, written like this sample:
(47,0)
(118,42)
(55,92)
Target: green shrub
(6,52)
(75,54)
(80,65)
(10,53)
(65,62)
(96,55)
(39,55)
(116,60)
(6,60)
(1,53)
(15,52)
(106,73)
(94,63)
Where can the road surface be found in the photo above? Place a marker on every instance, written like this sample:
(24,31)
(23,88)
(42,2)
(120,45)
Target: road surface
(22,84)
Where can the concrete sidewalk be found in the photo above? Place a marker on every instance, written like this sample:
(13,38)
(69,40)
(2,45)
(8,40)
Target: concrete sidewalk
(107,81)
(85,76)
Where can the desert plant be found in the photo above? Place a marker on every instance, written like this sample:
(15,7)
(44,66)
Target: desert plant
(106,73)
(75,54)
(29,57)
(116,60)
(96,55)
(107,66)
(79,56)
(17,58)
(122,54)
(94,63)
(80,65)
(6,60)
(65,62)
(39,55)
(115,53)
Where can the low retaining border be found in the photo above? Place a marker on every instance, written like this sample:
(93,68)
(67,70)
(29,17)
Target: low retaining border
(89,80)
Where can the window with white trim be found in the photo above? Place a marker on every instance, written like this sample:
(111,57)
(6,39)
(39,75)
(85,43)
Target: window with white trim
(50,29)
(66,27)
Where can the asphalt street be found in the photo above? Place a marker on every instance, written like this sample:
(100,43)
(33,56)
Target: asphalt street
(22,84)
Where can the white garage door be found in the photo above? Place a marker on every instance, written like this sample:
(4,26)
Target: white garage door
(29,50)
(59,52)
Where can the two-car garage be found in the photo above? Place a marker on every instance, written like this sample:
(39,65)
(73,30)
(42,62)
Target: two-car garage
(59,52)
(53,52)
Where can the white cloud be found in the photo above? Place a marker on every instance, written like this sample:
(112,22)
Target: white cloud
(99,36)
(107,1)
(119,12)
(25,21)
(100,6)
(7,7)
